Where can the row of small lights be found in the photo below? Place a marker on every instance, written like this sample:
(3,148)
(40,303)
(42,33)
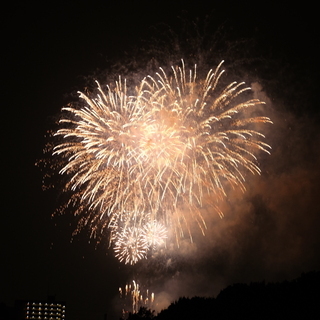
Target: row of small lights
(51,318)
(58,313)
(46,304)
(35,308)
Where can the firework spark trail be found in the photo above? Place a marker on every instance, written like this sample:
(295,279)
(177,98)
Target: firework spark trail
(137,297)
(160,151)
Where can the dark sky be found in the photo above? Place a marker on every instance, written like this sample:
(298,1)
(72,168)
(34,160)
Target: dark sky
(269,233)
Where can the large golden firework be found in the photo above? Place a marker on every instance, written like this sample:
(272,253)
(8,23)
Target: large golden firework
(160,151)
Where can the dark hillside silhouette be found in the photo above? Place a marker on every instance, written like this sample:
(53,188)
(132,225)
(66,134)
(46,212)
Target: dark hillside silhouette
(185,308)
(297,299)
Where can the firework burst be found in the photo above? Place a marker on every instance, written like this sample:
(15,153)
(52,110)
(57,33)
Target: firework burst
(158,152)
(130,245)
(155,234)
(131,240)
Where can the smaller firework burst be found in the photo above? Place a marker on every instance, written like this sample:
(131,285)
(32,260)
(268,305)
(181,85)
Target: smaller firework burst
(155,234)
(132,238)
(130,245)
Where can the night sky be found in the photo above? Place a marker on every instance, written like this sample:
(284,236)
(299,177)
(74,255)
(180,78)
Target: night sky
(270,232)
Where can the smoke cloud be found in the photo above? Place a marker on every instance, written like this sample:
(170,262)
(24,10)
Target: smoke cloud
(268,233)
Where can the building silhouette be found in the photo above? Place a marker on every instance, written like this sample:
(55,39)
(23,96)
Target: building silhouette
(49,309)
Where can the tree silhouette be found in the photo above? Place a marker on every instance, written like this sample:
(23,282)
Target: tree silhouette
(143,313)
